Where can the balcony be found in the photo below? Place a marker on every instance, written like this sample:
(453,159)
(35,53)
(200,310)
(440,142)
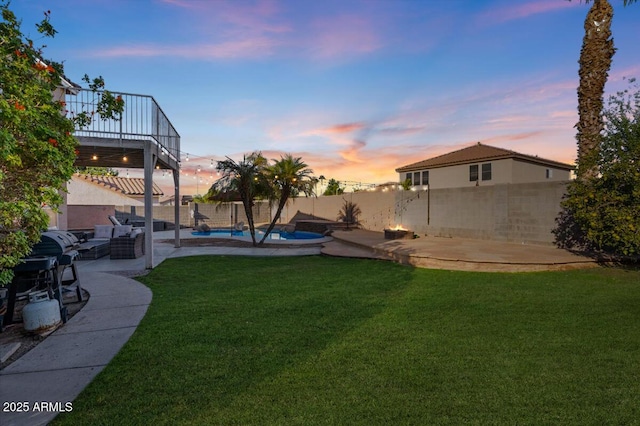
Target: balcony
(141,137)
(122,143)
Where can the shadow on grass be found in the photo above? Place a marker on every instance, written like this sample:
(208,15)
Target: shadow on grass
(218,326)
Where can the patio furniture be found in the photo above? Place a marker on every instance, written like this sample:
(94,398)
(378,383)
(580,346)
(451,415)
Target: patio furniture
(128,246)
(97,243)
(93,249)
(113,220)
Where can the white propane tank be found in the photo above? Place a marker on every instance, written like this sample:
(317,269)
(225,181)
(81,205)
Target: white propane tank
(41,313)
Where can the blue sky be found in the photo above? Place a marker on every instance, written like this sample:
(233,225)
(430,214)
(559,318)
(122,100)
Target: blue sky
(356,88)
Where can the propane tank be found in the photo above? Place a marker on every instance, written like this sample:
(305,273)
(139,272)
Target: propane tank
(41,313)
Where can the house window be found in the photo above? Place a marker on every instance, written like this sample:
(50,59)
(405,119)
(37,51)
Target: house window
(425,178)
(549,173)
(408,178)
(473,173)
(416,178)
(486,171)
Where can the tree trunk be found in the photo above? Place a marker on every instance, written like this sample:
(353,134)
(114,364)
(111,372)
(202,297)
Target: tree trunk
(281,203)
(248,211)
(595,61)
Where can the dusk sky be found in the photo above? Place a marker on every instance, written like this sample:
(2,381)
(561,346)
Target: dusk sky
(355,88)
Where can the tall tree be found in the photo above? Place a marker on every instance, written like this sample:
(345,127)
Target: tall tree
(602,213)
(246,179)
(288,177)
(595,61)
(333,188)
(37,148)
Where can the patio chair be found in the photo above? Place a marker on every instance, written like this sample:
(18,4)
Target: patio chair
(96,244)
(128,246)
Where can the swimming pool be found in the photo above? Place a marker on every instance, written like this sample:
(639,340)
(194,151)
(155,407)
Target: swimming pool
(274,235)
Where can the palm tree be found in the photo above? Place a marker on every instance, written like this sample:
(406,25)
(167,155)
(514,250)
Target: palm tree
(595,62)
(288,177)
(333,188)
(246,180)
(349,213)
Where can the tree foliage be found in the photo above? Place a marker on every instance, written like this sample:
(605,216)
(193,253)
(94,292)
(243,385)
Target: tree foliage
(97,171)
(602,212)
(333,188)
(254,178)
(244,179)
(286,178)
(37,148)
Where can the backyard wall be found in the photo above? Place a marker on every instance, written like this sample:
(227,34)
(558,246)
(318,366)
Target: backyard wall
(84,217)
(377,208)
(523,213)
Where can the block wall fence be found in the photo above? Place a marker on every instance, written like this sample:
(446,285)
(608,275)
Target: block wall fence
(522,213)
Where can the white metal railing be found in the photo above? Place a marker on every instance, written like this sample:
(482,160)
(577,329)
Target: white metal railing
(142,118)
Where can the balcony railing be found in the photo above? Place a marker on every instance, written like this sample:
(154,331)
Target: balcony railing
(142,119)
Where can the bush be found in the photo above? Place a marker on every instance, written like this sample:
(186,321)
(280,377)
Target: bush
(602,213)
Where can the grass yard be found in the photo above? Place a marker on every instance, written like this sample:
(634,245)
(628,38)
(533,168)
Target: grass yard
(317,340)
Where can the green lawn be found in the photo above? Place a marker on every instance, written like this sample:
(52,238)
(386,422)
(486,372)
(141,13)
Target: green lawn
(317,340)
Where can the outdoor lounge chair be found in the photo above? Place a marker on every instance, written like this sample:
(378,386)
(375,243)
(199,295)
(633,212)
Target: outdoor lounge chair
(97,243)
(128,246)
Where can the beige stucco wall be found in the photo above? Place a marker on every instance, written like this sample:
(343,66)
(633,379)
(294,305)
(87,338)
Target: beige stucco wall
(81,192)
(377,207)
(526,173)
(502,172)
(85,217)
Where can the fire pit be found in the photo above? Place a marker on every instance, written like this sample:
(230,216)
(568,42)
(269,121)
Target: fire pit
(397,234)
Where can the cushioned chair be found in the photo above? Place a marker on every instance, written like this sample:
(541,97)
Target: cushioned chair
(97,243)
(128,245)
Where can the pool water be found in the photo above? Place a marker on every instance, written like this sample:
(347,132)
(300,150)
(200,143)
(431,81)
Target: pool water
(274,235)
(218,232)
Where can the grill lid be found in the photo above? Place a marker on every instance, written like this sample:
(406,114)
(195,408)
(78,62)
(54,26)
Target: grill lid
(55,243)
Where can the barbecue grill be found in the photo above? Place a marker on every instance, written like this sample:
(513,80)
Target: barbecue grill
(62,245)
(45,268)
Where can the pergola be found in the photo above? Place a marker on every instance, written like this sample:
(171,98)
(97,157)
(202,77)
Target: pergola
(142,137)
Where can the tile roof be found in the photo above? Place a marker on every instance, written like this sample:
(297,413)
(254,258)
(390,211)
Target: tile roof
(127,186)
(478,153)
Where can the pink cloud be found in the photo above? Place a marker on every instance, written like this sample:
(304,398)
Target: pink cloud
(344,128)
(521,10)
(247,48)
(239,30)
(339,36)
(352,153)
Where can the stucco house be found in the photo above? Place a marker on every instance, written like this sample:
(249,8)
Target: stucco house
(481,165)
(84,189)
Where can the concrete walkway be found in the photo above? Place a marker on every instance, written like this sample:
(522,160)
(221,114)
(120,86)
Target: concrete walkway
(63,364)
(59,368)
